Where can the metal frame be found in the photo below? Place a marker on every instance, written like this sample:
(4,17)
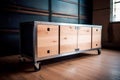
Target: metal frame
(36,60)
(68,24)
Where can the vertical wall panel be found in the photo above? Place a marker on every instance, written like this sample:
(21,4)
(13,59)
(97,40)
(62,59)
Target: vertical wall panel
(64,7)
(86,11)
(13,12)
(74,1)
(12,20)
(64,20)
(37,4)
(9,43)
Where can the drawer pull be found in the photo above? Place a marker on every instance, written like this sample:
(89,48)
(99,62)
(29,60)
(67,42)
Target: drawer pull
(87,30)
(70,27)
(48,29)
(96,29)
(96,44)
(54,41)
(65,38)
(48,51)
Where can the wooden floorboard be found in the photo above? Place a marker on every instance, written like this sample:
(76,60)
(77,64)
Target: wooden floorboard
(85,66)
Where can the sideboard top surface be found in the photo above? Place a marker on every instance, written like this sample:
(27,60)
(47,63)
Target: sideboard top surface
(64,24)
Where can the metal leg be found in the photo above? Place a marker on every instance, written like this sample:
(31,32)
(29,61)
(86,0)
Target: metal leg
(37,66)
(99,51)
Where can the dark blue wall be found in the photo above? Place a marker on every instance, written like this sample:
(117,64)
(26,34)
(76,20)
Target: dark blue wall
(13,12)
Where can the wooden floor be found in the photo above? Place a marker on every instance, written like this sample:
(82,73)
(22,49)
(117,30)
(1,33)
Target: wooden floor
(87,66)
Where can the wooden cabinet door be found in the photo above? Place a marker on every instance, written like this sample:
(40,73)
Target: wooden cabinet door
(96,37)
(47,40)
(68,39)
(84,38)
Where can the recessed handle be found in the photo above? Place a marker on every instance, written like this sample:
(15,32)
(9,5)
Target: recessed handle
(96,29)
(65,38)
(87,30)
(70,27)
(48,51)
(96,44)
(48,29)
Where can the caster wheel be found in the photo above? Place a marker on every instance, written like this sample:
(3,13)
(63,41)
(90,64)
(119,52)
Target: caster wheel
(37,66)
(99,51)
(22,59)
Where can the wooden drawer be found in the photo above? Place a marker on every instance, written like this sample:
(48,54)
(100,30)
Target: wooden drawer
(96,37)
(68,39)
(47,40)
(84,38)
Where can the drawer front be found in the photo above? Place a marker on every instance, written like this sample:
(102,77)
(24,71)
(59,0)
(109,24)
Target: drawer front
(68,39)
(96,37)
(84,38)
(47,40)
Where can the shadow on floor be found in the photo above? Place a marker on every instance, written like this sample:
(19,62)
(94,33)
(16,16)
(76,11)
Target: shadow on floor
(11,64)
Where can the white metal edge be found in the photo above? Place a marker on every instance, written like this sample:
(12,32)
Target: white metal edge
(67,24)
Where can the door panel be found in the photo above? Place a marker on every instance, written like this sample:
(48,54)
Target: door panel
(96,37)
(68,39)
(84,38)
(47,40)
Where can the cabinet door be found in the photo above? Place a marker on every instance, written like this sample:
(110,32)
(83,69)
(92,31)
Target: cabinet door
(96,37)
(47,40)
(84,38)
(68,39)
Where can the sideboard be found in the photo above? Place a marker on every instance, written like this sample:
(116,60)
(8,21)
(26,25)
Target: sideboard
(44,40)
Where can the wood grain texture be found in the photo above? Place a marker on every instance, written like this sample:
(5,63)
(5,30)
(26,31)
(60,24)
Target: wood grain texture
(27,8)
(84,38)
(47,40)
(82,67)
(71,2)
(27,12)
(68,39)
(96,37)
(64,15)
